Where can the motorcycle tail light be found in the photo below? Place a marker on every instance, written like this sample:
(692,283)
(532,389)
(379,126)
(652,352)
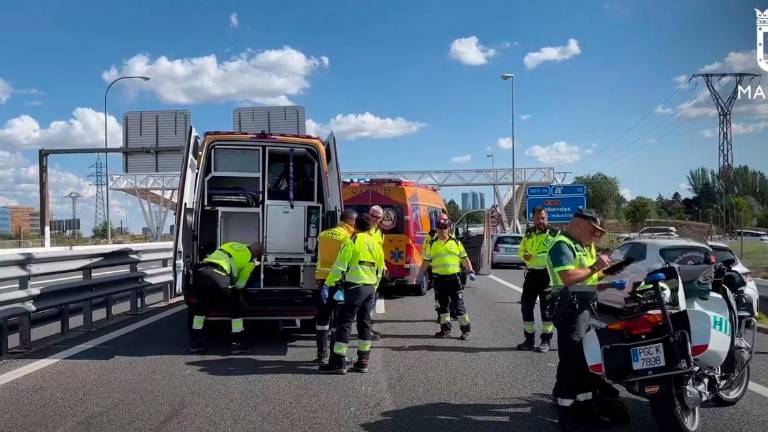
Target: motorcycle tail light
(638,326)
(698,350)
(596,368)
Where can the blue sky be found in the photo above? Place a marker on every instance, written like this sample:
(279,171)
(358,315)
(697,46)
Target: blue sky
(426,72)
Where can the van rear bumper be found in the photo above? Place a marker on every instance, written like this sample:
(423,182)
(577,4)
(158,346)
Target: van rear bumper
(262,304)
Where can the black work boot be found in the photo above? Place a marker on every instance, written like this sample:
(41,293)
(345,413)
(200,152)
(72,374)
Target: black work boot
(445,331)
(197,342)
(543,347)
(465,332)
(337,365)
(238,346)
(612,409)
(361,365)
(569,419)
(321,338)
(529,343)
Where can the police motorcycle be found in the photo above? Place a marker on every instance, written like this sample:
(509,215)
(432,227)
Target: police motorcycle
(684,337)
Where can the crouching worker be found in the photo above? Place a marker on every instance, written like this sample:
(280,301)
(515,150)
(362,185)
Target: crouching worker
(354,276)
(225,271)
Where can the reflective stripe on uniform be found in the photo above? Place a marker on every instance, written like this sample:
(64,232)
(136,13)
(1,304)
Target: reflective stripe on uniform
(528,327)
(547,327)
(340,348)
(197,322)
(363,345)
(237,325)
(322,327)
(444,318)
(464,319)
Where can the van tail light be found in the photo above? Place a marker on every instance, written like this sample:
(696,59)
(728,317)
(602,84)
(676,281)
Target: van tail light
(410,251)
(638,326)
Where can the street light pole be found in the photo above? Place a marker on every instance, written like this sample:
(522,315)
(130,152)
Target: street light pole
(511,77)
(106,145)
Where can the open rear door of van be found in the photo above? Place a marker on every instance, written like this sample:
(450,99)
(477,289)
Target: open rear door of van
(334,205)
(183,244)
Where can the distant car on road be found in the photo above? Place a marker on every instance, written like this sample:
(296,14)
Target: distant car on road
(505,250)
(651,232)
(750,235)
(648,255)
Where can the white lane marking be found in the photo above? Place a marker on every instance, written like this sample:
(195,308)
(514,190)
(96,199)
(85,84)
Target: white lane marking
(507,284)
(380,307)
(755,387)
(40,364)
(65,278)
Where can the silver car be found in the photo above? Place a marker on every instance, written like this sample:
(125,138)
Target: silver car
(722,252)
(649,255)
(505,250)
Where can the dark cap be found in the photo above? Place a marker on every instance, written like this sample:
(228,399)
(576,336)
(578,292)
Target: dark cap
(590,216)
(444,224)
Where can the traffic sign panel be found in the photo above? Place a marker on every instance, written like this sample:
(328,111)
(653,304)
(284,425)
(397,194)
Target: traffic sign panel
(538,190)
(559,209)
(571,189)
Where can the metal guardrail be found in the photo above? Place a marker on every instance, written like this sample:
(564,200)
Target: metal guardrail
(17,305)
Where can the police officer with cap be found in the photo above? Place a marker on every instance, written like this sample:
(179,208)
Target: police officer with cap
(574,271)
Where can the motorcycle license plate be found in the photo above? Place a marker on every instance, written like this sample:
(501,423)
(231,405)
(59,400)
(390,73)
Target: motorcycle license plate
(649,356)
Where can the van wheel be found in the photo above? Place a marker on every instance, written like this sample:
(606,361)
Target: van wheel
(422,288)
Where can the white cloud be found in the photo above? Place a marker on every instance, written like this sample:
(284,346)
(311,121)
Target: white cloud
(268,77)
(626,193)
(5,91)
(739,129)
(504,143)
(558,153)
(684,187)
(591,149)
(661,109)
(525,117)
(701,105)
(470,51)
(557,54)
(84,129)
(33,103)
(364,126)
(681,80)
(461,159)
(30,91)
(233,20)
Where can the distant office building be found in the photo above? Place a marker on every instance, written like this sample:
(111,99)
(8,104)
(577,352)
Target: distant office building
(482,200)
(5,221)
(20,218)
(466,201)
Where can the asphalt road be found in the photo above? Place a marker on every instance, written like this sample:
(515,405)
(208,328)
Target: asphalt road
(145,380)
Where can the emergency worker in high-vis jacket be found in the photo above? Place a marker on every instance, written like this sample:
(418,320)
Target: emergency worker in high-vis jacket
(584,400)
(328,245)
(225,271)
(445,255)
(355,275)
(533,252)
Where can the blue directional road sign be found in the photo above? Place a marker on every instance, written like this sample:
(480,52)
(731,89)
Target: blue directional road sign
(572,189)
(538,191)
(559,208)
